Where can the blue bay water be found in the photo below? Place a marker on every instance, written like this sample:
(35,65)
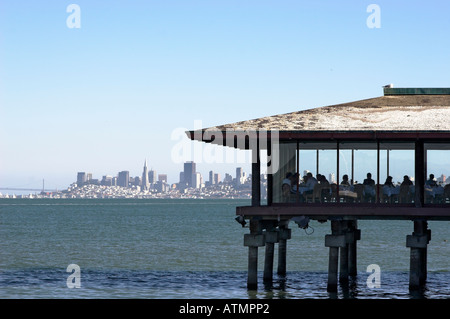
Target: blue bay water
(185,248)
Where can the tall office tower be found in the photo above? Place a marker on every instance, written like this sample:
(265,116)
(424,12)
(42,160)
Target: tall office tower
(123,178)
(107,180)
(228,178)
(145,182)
(197,180)
(152,176)
(211,178)
(189,173)
(216,178)
(332,178)
(182,178)
(162,178)
(81,178)
(239,175)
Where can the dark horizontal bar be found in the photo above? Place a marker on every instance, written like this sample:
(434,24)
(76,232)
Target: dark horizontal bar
(359,211)
(416,91)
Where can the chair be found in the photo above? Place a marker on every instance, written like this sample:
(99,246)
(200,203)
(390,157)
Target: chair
(318,192)
(333,192)
(312,195)
(369,193)
(404,195)
(325,193)
(359,188)
(446,192)
(286,192)
(381,195)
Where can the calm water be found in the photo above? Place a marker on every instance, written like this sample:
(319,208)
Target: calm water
(188,249)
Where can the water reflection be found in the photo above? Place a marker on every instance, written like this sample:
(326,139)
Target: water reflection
(309,285)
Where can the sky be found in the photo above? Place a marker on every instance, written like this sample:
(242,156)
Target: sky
(123,84)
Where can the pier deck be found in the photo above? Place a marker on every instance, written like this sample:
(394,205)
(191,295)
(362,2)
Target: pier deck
(330,211)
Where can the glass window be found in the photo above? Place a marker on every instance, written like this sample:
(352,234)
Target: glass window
(358,170)
(283,177)
(437,168)
(397,172)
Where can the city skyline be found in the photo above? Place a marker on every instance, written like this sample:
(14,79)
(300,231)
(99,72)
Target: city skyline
(185,180)
(398,164)
(128,80)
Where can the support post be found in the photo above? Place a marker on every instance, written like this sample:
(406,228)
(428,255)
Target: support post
(378,199)
(333,269)
(256,176)
(420,172)
(337,240)
(284,234)
(253,240)
(338,199)
(252,276)
(271,239)
(270,166)
(355,234)
(343,254)
(418,242)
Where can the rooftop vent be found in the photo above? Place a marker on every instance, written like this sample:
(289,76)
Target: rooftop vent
(390,90)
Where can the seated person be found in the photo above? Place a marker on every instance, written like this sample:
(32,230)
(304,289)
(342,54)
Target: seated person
(406,181)
(310,182)
(325,190)
(405,193)
(369,181)
(345,180)
(369,188)
(287,180)
(323,180)
(296,182)
(388,182)
(286,185)
(431,182)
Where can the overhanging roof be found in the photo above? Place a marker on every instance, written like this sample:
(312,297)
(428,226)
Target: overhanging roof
(399,114)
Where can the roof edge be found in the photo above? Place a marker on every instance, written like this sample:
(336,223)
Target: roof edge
(416,91)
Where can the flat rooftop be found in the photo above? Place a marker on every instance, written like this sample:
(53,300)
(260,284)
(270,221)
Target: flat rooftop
(398,112)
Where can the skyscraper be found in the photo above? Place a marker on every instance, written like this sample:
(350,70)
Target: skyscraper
(189,173)
(152,176)
(211,178)
(196,180)
(145,182)
(239,175)
(216,178)
(81,178)
(123,178)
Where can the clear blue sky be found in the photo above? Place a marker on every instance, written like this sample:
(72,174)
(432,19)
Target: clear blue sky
(104,97)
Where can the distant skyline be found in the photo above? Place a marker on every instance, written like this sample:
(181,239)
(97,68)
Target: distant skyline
(103,97)
(189,166)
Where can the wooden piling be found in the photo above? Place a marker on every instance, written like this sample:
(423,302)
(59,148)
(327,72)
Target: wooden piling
(268,263)
(282,246)
(252,275)
(337,240)
(253,240)
(344,252)
(333,269)
(343,264)
(283,235)
(271,237)
(418,243)
(355,234)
